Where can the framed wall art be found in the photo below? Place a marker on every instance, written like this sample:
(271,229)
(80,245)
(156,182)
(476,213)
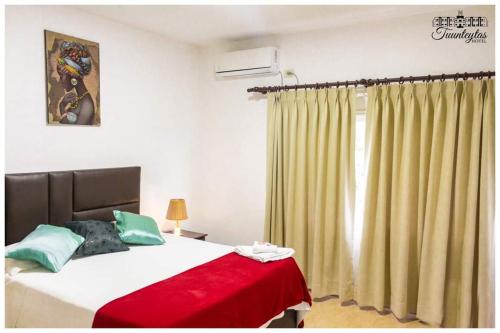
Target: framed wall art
(72,75)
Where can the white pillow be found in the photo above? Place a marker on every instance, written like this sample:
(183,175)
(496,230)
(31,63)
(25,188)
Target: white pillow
(14,266)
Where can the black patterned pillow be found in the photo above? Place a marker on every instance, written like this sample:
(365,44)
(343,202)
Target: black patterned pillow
(100,237)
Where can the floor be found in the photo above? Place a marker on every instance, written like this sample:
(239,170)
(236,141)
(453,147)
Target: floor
(327,314)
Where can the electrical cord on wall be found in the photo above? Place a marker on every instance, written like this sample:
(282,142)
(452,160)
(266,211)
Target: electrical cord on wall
(288,73)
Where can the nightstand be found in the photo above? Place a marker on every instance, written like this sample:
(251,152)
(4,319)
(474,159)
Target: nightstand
(191,234)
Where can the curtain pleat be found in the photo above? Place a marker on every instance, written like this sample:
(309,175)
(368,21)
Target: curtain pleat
(427,245)
(310,184)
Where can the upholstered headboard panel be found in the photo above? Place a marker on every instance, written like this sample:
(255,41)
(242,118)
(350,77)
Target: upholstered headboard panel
(56,197)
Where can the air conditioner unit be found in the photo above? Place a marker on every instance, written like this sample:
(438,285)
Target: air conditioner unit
(261,61)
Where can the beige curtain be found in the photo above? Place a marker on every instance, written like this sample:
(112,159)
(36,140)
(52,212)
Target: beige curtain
(427,245)
(310,184)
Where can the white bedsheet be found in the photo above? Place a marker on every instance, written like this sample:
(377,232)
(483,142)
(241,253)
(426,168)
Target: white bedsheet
(70,298)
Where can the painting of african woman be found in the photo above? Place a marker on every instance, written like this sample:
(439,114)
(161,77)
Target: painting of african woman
(72,80)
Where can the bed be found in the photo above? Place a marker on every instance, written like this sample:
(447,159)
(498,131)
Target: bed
(89,286)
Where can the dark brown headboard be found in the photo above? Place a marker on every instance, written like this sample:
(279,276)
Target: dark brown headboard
(56,197)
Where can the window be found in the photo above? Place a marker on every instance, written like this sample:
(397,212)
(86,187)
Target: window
(360,169)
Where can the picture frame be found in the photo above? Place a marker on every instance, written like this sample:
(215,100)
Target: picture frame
(72,80)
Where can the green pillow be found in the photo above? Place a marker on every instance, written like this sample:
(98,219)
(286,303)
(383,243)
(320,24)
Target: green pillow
(48,245)
(137,229)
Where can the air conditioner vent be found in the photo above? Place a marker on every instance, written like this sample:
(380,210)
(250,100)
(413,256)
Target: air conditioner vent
(261,61)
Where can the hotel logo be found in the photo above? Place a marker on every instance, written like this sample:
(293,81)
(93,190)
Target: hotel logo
(467,28)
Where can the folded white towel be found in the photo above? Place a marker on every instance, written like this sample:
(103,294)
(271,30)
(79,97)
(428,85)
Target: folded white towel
(281,253)
(259,247)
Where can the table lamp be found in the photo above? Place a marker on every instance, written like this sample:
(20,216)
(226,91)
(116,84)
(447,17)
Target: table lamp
(177,212)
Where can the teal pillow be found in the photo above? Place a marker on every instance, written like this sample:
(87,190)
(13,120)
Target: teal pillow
(137,229)
(48,245)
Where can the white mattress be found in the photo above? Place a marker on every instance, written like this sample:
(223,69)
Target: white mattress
(70,298)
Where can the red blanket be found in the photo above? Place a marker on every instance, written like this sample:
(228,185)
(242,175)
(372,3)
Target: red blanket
(230,291)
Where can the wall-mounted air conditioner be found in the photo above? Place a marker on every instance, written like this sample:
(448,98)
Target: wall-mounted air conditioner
(261,61)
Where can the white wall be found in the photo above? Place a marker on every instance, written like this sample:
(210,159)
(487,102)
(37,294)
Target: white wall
(229,196)
(147,104)
(196,137)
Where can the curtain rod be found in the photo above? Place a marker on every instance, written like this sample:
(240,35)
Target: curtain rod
(371,82)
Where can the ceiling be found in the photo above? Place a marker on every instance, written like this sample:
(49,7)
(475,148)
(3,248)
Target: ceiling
(204,24)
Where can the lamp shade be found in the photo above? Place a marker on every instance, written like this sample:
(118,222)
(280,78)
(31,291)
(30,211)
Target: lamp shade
(177,210)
